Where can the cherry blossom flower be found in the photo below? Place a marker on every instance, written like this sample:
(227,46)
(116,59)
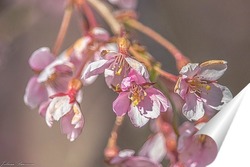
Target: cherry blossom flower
(116,67)
(195,150)
(65,107)
(36,92)
(198,86)
(139,99)
(51,76)
(126,158)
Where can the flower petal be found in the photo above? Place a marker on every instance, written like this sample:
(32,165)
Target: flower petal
(212,70)
(70,126)
(121,104)
(136,118)
(181,87)
(138,67)
(149,108)
(112,79)
(100,34)
(58,107)
(217,96)
(35,93)
(190,70)
(158,95)
(122,156)
(193,108)
(41,58)
(125,4)
(43,108)
(96,68)
(154,148)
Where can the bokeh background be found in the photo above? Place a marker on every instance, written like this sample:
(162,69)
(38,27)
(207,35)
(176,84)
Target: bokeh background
(202,30)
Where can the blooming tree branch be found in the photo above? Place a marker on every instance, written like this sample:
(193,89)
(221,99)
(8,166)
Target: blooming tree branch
(175,106)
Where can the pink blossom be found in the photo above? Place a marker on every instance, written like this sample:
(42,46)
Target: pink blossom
(154,148)
(125,4)
(65,107)
(36,92)
(115,67)
(139,99)
(126,158)
(51,76)
(198,86)
(88,48)
(195,151)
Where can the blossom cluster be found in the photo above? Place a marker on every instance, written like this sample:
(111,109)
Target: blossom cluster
(142,93)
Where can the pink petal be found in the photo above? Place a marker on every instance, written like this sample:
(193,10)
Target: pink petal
(43,108)
(136,118)
(35,93)
(122,156)
(96,68)
(190,70)
(125,4)
(136,77)
(71,130)
(181,87)
(158,95)
(193,108)
(138,67)
(149,108)
(217,96)
(212,71)
(100,34)
(121,104)
(41,58)
(154,148)
(112,79)
(199,153)
(186,130)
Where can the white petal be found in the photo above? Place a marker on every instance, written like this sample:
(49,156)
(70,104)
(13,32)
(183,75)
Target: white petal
(190,69)
(58,107)
(193,108)
(136,118)
(95,68)
(212,70)
(139,67)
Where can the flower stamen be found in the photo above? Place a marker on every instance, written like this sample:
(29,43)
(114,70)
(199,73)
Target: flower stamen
(137,94)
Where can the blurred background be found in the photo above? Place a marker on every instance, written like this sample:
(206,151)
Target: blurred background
(202,30)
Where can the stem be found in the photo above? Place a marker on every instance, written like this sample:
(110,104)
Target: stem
(63,28)
(179,57)
(104,11)
(167,75)
(112,148)
(89,14)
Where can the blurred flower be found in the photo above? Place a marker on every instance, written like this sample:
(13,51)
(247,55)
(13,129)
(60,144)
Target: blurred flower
(154,148)
(125,4)
(198,86)
(65,106)
(139,99)
(194,150)
(51,76)
(126,158)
